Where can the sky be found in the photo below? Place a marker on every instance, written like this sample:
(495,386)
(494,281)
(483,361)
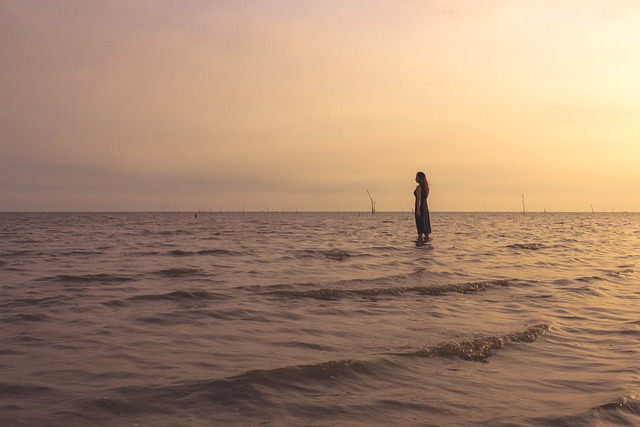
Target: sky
(158,105)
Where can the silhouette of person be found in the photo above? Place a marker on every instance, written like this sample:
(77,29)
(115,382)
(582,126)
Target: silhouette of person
(423,221)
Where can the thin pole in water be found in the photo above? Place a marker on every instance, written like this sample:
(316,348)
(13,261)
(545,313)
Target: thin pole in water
(373,204)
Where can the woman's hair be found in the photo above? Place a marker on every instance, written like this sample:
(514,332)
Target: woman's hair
(422,179)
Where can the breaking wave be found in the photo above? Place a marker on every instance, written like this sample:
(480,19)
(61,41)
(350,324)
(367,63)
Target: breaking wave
(479,349)
(259,386)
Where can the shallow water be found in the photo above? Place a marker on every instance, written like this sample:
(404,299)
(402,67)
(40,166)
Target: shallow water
(315,319)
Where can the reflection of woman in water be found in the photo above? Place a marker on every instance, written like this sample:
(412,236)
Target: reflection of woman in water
(423,222)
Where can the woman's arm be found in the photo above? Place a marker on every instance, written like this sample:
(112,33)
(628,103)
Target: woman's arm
(418,200)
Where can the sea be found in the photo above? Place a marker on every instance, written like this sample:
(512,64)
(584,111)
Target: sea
(319,319)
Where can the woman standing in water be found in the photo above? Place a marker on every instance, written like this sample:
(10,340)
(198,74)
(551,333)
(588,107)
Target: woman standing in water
(423,222)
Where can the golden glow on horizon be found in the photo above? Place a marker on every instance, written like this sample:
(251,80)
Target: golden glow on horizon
(147,106)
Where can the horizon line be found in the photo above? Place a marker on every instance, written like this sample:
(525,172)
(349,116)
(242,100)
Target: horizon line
(368,212)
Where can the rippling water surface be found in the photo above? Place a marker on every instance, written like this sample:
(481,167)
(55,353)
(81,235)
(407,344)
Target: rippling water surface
(316,319)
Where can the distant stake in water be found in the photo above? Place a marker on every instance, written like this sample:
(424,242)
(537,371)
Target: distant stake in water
(523,210)
(373,204)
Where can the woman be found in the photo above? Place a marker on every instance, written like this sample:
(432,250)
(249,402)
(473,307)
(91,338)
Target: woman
(423,222)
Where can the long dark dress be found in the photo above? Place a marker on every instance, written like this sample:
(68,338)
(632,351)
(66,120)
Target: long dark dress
(423,221)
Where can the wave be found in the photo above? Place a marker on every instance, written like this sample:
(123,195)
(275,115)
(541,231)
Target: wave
(79,253)
(16,389)
(54,301)
(334,254)
(87,278)
(259,386)
(25,317)
(251,388)
(479,349)
(629,402)
(183,299)
(304,345)
(177,296)
(166,232)
(528,246)
(313,373)
(622,411)
(433,290)
(392,280)
(180,253)
(20,252)
(178,272)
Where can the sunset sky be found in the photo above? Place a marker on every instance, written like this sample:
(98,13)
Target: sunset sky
(141,105)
